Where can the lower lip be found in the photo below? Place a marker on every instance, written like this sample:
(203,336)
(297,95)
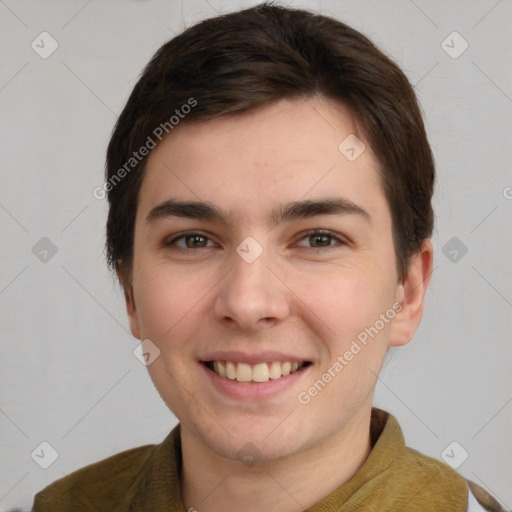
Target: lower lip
(254,390)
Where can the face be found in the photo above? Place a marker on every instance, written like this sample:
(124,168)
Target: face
(258,298)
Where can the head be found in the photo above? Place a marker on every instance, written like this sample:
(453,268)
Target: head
(269,184)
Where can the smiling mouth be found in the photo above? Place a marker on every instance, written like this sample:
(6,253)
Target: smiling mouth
(261,372)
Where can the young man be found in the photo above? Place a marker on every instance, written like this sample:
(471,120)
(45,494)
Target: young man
(270,187)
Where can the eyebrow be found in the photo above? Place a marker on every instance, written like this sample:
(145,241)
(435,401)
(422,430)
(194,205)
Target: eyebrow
(284,213)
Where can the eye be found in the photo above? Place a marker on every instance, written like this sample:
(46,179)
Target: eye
(192,240)
(321,239)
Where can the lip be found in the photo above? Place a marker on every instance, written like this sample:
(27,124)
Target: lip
(251,390)
(236,356)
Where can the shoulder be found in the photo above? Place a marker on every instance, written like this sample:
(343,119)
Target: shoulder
(412,480)
(437,480)
(98,486)
(444,481)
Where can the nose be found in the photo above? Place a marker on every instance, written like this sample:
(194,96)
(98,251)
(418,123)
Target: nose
(252,297)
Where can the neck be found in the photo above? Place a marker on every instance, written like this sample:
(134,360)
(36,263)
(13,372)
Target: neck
(214,483)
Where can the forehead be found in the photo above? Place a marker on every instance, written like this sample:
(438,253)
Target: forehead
(250,163)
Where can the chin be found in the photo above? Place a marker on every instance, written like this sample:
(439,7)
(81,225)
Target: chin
(247,438)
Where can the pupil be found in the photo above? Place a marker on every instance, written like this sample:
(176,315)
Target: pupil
(194,239)
(325,237)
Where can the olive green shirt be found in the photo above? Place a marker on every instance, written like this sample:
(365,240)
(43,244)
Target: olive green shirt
(393,478)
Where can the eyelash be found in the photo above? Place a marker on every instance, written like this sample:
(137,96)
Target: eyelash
(315,232)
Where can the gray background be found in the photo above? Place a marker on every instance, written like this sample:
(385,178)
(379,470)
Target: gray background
(68,374)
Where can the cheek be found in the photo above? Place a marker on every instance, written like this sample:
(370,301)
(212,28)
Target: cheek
(347,302)
(164,299)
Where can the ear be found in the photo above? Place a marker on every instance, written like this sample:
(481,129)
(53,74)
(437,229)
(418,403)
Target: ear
(411,295)
(131,308)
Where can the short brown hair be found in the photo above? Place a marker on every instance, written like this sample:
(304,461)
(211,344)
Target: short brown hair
(242,60)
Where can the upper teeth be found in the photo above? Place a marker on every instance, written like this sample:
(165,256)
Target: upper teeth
(260,372)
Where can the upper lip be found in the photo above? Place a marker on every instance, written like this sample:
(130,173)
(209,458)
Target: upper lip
(243,357)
